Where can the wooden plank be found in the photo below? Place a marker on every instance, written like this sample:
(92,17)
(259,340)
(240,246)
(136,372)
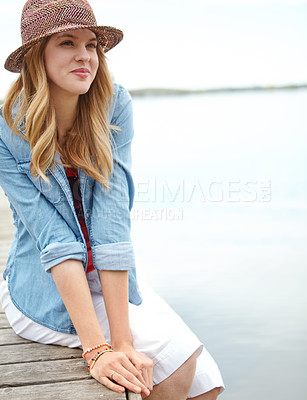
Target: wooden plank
(78,390)
(133,396)
(43,372)
(4,323)
(36,352)
(8,336)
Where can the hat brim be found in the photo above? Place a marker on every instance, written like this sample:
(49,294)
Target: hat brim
(108,38)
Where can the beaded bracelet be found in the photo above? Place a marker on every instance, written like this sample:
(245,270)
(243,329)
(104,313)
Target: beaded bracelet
(95,358)
(88,350)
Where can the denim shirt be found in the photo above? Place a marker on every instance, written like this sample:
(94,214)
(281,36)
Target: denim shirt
(47,228)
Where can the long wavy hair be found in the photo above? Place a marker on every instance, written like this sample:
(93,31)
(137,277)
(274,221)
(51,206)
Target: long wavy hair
(88,144)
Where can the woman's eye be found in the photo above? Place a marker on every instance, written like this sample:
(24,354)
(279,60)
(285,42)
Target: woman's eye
(93,45)
(67,43)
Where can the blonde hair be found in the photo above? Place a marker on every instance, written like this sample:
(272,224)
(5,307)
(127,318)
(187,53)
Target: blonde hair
(89,141)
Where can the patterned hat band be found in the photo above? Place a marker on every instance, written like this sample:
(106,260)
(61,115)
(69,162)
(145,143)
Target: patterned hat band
(42,18)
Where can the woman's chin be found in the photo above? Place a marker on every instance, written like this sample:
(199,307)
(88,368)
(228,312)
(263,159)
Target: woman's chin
(81,90)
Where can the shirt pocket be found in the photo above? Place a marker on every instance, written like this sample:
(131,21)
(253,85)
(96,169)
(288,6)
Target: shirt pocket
(50,190)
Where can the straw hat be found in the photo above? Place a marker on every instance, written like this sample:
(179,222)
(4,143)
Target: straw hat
(43,18)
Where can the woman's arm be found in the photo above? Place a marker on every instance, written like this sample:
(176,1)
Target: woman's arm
(115,292)
(110,215)
(72,285)
(71,282)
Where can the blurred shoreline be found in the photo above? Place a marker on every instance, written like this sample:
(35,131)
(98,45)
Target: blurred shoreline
(152,92)
(156,92)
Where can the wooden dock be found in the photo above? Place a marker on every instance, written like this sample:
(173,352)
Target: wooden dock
(30,371)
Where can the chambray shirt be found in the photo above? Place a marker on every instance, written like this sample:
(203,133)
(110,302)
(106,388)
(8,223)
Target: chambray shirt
(47,228)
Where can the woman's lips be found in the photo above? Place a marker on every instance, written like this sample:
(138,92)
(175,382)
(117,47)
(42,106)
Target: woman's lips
(81,72)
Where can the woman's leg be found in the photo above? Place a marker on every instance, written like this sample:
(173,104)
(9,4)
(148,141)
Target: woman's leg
(177,385)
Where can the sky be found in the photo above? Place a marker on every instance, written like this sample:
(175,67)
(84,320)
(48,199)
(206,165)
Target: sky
(192,43)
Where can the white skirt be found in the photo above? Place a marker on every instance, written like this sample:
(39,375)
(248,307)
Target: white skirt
(157,331)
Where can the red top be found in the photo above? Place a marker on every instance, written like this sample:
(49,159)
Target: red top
(73,179)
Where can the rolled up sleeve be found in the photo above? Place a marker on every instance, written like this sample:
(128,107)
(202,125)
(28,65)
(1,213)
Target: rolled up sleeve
(115,256)
(55,253)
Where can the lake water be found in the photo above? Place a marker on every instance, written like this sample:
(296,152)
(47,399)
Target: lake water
(220,229)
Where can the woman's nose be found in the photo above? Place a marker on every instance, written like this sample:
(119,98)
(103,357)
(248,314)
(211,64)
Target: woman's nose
(82,54)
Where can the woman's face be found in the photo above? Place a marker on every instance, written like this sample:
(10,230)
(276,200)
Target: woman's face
(71,62)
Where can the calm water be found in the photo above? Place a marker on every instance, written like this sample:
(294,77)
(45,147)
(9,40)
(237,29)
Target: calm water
(220,229)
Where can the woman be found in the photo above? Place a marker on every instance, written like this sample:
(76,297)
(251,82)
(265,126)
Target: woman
(65,137)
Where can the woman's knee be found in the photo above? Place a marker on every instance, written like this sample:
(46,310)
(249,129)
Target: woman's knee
(188,367)
(184,375)
(178,384)
(211,395)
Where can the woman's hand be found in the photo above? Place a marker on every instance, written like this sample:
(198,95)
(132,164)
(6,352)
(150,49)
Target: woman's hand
(143,364)
(118,366)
